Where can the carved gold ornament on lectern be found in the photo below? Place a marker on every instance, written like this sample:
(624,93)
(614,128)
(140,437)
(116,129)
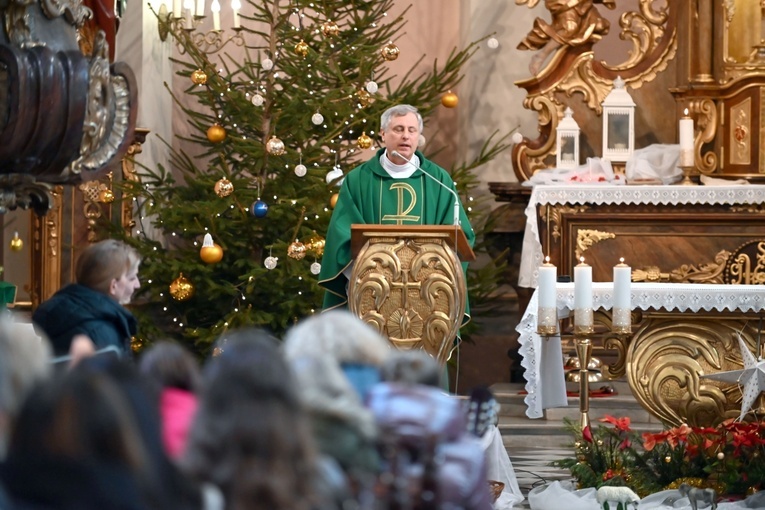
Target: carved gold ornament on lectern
(411,290)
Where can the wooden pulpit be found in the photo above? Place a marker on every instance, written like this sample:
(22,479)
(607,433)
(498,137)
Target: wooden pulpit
(407,282)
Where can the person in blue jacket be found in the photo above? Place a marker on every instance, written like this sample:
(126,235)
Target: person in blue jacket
(92,309)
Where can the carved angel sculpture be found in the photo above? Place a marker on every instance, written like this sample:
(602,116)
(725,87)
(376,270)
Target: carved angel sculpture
(574,23)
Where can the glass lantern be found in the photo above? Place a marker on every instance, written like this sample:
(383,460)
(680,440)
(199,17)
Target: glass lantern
(618,123)
(567,141)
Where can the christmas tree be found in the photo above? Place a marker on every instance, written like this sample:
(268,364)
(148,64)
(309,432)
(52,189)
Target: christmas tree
(279,123)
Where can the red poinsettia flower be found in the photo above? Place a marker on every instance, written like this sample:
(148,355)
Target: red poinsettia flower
(620,424)
(651,440)
(587,434)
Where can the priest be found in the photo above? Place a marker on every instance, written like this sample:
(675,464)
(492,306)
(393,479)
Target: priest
(397,186)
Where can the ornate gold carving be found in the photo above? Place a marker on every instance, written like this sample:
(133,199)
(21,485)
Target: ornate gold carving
(669,354)
(92,192)
(705,272)
(412,291)
(707,122)
(46,250)
(646,30)
(566,45)
(740,129)
(556,211)
(751,208)
(747,264)
(585,238)
(129,173)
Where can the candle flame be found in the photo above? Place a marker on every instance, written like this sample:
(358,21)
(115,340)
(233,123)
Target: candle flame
(686,112)
(547,259)
(581,260)
(621,260)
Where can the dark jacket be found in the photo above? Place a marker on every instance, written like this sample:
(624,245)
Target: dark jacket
(414,418)
(76,309)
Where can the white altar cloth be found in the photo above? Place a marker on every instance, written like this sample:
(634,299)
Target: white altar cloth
(543,359)
(577,194)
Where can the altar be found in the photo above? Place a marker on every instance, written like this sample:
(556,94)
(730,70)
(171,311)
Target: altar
(681,332)
(680,234)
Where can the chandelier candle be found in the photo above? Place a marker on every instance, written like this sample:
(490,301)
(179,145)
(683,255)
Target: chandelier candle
(622,308)
(547,316)
(583,298)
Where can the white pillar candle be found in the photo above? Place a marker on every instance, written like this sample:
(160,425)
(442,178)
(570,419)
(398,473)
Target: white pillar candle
(547,314)
(622,281)
(235,6)
(200,12)
(686,140)
(215,8)
(582,297)
(621,318)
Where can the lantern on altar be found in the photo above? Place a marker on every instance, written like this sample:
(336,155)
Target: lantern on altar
(618,123)
(567,141)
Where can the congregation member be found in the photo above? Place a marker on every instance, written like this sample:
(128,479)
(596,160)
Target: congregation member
(430,458)
(86,439)
(336,359)
(174,375)
(92,309)
(251,437)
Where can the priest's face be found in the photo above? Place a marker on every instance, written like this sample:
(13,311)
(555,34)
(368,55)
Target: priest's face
(402,136)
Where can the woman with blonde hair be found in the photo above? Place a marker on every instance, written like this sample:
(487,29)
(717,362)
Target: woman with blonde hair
(92,309)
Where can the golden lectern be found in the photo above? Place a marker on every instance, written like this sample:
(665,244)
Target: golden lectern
(408,283)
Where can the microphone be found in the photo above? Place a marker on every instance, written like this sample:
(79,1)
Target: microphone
(447,188)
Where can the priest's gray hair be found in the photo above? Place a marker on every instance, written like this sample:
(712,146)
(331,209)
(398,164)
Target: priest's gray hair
(399,111)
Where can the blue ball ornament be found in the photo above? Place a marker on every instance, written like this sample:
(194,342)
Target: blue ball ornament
(259,208)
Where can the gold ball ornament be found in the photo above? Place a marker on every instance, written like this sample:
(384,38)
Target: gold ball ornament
(275,146)
(296,250)
(211,254)
(106,196)
(365,98)
(364,141)
(223,187)
(450,99)
(216,133)
(316,245)
(330,29)
(301,48)
(199,77)
(181,289)
(333,200)
(16,243)
(390,52)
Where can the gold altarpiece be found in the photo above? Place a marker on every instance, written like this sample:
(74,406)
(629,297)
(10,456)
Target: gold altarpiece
(704,55)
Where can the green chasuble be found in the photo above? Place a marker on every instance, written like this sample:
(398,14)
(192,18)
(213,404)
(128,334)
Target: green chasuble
(369,195)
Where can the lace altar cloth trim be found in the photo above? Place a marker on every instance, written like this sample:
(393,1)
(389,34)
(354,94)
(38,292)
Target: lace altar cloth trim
(532,256)
(542,359)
